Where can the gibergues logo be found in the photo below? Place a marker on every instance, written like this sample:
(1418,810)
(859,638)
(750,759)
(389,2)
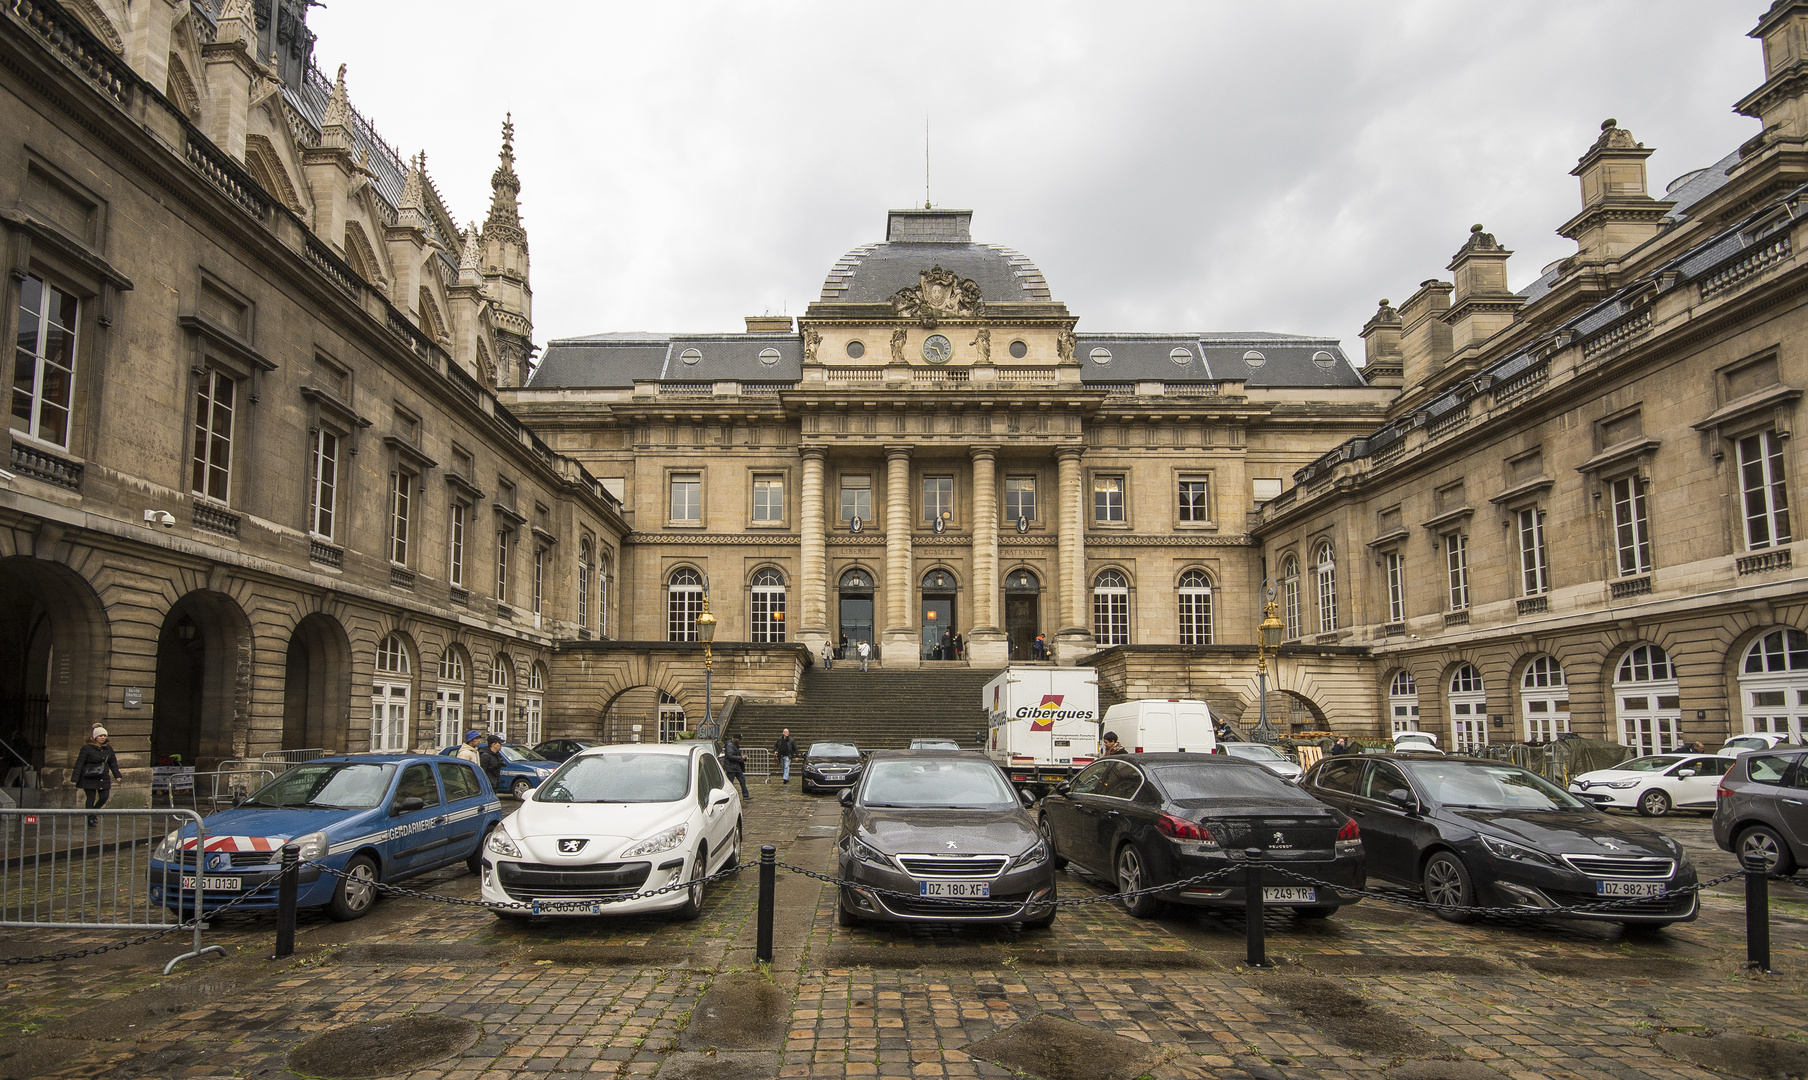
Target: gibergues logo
(1045,714)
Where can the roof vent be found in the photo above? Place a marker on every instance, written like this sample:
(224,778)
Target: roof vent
(929,227)
(768,324)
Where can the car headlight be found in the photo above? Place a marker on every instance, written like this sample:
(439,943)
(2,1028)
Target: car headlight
(865,854)
(1035,856)
(665,841)
(1507,849)
(171,848)
(313,846)
(500,843)
(1620,784)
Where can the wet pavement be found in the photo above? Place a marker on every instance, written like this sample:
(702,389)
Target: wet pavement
(1375,991)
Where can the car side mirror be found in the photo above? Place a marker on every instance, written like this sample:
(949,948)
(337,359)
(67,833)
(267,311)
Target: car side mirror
(1026,798)
(409,804)
(1684,774)
(1403,799)
(847,796)
(1063,789)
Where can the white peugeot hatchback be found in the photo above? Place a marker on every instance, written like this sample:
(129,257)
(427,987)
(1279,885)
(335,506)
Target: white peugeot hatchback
(613,822)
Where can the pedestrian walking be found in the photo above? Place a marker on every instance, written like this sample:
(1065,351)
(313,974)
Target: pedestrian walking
(866,652)
(469,751)
(828,657)
(1111,747)
(1039,648)
(491,760)
(734,760)
(96,767)
(785,749)
(841,649)
(960,647)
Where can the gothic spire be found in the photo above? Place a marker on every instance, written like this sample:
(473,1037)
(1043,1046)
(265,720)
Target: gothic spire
(339,106)
(468,259)
(505,187)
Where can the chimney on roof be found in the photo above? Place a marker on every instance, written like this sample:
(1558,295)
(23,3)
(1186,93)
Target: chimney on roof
(768,324)
(1779,103)
(1483,305)
(1424,337)
(1617,212)
(1381,347)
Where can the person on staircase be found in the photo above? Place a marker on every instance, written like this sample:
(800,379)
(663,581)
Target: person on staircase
(828,657)
(960,648)
(785,749)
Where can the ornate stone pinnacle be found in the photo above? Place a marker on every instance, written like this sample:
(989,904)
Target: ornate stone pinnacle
(339,106)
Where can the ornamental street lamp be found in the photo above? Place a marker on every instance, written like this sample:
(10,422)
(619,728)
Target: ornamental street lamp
(1268,640)
(706,633)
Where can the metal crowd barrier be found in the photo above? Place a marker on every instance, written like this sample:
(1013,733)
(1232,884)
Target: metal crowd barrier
(280,760)
(225,784)
(760,762)
(91,870)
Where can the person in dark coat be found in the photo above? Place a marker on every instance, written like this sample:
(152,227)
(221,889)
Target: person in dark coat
(945,651)
(490,760)
(841,649)
(1343,746)
(734,762)
(785,749)
(960,649)
(1111,747)
(96,767)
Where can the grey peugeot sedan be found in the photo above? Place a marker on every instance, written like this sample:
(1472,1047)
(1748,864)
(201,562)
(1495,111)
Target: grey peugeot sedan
(940,836)
(1763,808)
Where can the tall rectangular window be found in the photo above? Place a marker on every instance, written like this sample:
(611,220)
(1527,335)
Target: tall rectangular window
(213,435)
(1108,498)
(938,497)
(584,582)
(1396,587)
(505,538)
(44,361)
(1631,528)
(401,502)
(455,544)
(1534,569)
(539,579)
(1456,564)
(1290,602)
(323,487)
(1192,501)
(687,498)
(1020,497)
(1766,499)
(768,499)
(856,498)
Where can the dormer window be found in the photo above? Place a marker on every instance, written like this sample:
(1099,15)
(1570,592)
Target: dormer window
(690,356)
(1254,359)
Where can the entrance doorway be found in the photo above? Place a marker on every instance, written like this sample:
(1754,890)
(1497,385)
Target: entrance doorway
(937,617)
(1022,612)
(317,686)
(856,609)
(202,685)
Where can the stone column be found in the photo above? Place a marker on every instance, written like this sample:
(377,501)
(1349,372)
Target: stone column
(813,568)
(986,644)
(899,633)
(1073,637)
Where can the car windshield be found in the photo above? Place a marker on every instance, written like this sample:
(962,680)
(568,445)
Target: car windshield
(1648,764)
(832,749)
(1254,752)
(519,753)
(940,782)
(349,785)
(934,744)
(1489,787)
(1183,782)
(626,777)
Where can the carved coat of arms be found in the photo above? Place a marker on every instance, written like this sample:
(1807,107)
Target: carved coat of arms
(939,292)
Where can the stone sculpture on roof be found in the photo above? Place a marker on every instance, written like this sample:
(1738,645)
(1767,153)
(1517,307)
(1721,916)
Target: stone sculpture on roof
(939,292)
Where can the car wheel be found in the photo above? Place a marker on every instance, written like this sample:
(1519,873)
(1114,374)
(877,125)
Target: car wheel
(1318,911)
(734,849)
(1447,885)
(1654,803)
(356,891)
(693,896)
(1131,876)
(844,916)
(475,863)
(1048,837)
(1764,841)
(520,787)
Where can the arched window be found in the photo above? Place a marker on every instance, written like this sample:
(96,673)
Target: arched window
(496,708)
(1324,573)
(1544,700)
(1110,609)
(1773,684)
(449,698)
(1468,711)
(768,606)
(1195,608)
(1648,700)
(1290,595)
(671,718)
(584,583)
(531,703)
(684,602)
(389,697)
(1402,702)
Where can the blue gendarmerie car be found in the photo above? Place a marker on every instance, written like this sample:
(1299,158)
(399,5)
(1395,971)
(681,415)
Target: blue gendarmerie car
(373,817)
(523,768)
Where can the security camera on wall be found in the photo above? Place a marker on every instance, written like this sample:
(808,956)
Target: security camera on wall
(160,517)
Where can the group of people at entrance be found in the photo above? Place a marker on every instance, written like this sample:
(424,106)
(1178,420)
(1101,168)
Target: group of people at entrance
(831,653)
(951,647)
(485,752)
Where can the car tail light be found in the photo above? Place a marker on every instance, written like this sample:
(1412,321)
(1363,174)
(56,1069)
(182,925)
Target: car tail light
(1722,791)
(1138,750)
(1181,829)
(1349,831)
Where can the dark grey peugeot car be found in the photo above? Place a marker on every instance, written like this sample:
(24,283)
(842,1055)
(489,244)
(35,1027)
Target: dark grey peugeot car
(940,836)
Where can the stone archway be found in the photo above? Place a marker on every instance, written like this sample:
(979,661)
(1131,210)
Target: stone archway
(203,689)
(55,661)
(317,680)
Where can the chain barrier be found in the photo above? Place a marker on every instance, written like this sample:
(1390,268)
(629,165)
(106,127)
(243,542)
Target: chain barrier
(534,907)
(1006,904)
(189,924)
(1604,906)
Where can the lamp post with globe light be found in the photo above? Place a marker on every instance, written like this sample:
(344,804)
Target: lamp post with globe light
(1268,640)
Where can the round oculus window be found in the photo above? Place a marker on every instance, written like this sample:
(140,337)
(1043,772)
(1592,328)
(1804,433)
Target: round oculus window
(1254,358)
(1324,359)
(1019,350)
(856,349)
(1181,356)
(1101,356)
(768,356)
(690,356)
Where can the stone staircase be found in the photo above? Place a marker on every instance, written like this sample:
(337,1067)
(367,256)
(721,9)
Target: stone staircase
(874,710)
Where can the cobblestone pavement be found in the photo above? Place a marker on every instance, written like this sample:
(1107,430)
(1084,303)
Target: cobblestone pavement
(1374,991)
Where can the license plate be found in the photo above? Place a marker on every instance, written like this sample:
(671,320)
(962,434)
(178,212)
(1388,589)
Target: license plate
(1289,896)
(957,890)
(215,884)
(1629,888)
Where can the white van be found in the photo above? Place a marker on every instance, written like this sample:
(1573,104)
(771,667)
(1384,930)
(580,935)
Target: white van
(1174,725)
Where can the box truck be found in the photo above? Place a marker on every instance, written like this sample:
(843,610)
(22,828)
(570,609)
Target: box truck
(1042,722)
(1163,726)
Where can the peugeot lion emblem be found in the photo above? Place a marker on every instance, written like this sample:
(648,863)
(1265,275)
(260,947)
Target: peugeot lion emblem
(1278,838)
(1606,843)
(571,847)
(950,845)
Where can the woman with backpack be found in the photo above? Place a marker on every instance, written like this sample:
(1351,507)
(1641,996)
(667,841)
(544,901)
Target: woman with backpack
(96,767)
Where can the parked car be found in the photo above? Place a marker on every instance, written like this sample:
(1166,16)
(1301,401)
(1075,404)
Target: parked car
(1144,820)
(617,821)
(1763,809)
(560,749)
(1752,740)
(1264,755)
(945,829)
(372,817)
(1656,784)
(1477,833)
(831,765)
(934,744)
(522,769)
(1415,742)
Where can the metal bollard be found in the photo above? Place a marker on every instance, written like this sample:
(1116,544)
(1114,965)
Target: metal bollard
(768,882)
(1757,913)
(1252,908)
(288,887)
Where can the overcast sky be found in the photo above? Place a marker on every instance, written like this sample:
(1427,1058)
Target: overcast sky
(1203,166)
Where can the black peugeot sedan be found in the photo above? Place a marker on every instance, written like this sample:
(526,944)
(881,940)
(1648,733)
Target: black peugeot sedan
(831,765)
(1148,820)
(940,836)
(1477,833)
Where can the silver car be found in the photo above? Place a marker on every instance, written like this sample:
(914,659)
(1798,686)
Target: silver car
(1264,755)
(940,836)
(1763,808)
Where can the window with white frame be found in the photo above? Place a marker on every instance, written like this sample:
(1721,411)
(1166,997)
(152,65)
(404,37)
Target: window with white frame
(1020,498)
(602,595)
(1396,586)
(1110,609)
(687,497)
(1195,599)
(938,498)
(389,697)
(1290,595)
(44,361)
(1324,573)
(539,579)
(768,606)
(671,718)
(684,602)
(1402,702)
(323,482)
(1191,497)
(457,523)
(1456,569)
(856,498)
(1766,499)
(1534,567)
(1773,685)
(215,402)
(1648,701)
(531,707)
(505,542)
(1108,499)
(1468,710)
(497,704)
(401,508)
(1544,700)
(584,582)
(1631,526)
(449,699)
(769,499)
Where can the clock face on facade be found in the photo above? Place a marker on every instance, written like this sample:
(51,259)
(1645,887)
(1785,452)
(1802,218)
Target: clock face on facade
(937,349)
